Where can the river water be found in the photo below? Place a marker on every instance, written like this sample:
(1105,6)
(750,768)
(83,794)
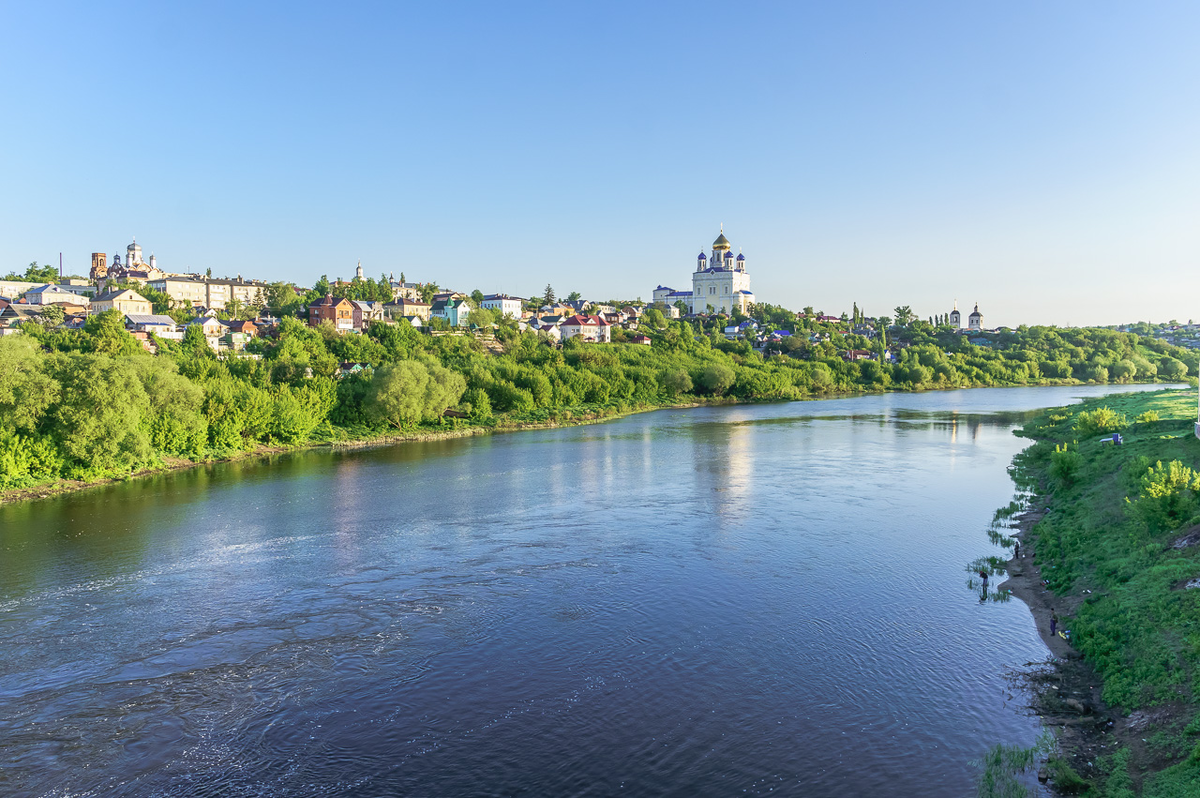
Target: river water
(753,599)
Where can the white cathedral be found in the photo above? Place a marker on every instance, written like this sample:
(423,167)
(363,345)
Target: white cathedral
(720,283)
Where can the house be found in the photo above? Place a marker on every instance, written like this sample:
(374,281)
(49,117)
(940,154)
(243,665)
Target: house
(404,290)
(641,339)
(857,354)
(17,313)
(243,326)
(51,294)
(507,305)
(347,368)
(416,321)
(746,329)
(453,309)
(211,326)
(137,322)
(548,325)
(339,312)
(589,328)
(124,300)
(406,307)
(363,313)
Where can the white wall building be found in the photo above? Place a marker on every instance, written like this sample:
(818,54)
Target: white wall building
(720,283)
(507,305)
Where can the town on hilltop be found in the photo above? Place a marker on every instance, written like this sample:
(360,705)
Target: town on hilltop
(155,303)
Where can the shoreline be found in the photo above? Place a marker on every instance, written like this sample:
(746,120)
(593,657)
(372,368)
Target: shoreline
(1064,690)
(49,490)
(172,465)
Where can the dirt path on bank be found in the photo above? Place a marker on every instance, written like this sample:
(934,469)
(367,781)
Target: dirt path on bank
(1065,690)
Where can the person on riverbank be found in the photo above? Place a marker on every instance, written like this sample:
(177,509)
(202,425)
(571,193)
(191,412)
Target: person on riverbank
(1016,550)
(983,575)
(1053,623)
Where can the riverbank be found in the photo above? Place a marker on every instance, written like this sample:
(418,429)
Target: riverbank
(1114,559)
(459,430)
(561,418)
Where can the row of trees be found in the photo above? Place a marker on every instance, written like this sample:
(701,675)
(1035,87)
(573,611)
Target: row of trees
(91,402)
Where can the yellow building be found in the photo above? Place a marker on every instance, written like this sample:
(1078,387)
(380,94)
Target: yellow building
(123,300)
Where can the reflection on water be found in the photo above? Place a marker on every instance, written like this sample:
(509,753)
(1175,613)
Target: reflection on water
(710,601)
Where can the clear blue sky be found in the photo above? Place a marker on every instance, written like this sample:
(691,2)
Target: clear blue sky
(1041,158)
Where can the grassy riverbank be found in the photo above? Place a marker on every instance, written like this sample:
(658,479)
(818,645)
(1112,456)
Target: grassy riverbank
(362,438)
(1114,534)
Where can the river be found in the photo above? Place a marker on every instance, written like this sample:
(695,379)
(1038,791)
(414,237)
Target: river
(751,599)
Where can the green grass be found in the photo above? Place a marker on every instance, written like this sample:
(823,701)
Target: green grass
(1105,544)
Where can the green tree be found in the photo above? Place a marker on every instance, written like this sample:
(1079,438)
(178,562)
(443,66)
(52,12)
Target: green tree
(574,296)
(282,299)
(408,392)
(27,389)
(37,274)
(51,316)
(904,316)
(717,378)
(105,334)
(101,414)
(548,295)
(483,318)
(174,422)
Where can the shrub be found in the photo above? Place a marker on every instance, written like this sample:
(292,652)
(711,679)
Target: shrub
(1147,417)
(1168,495)
(1065,462)
(1099,421)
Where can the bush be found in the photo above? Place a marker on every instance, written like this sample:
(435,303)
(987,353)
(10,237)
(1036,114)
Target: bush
(1099,421)
(1147,417)
(1065,462)
(717,378)
(1168,495)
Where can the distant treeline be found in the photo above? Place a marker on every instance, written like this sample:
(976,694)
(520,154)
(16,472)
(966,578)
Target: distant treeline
(91,403)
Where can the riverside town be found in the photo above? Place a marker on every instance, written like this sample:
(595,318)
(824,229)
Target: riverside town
(794,399)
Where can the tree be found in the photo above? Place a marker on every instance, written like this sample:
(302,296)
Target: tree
(676,381)
(106,335)
(548,296)
(27,391)
(482,318)
(51,315)
(38,274)
(409,391)
(904,316)
(160,301)
(652,319)
(717,378)
(282,299)
(574,296)
(477,297)
(101,414)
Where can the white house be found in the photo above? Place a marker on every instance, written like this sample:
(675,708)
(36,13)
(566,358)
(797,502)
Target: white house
(507,305)
(51,294)
(590,328)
